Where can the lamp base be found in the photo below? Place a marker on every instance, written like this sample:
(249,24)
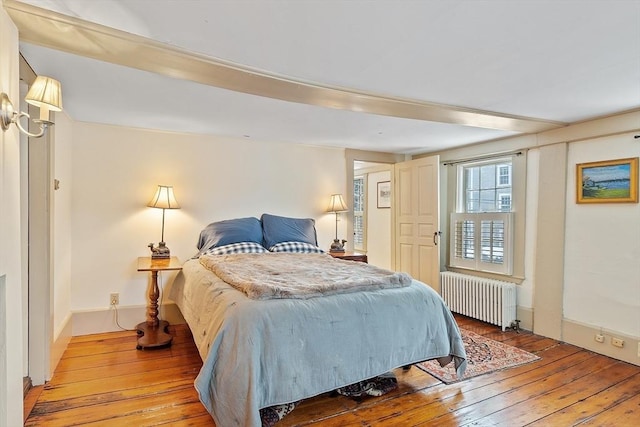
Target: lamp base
(161,252)
(337,245)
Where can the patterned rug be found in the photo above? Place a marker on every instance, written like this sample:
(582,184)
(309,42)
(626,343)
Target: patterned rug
(484,355)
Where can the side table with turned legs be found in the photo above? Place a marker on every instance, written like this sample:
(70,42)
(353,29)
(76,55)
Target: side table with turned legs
(153,333)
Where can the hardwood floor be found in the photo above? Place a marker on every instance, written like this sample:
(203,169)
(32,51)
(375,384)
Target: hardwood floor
(103,380)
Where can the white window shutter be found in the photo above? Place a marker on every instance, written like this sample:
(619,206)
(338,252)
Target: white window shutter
(481,241)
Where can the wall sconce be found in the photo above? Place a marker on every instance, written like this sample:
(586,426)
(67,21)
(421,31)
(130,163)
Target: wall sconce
(337,205)
(44,93)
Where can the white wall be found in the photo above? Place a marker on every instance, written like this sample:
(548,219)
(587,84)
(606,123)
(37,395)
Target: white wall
(378,223)
(115,172)
(602,256)
(11,345)
(62,220)
(61,234)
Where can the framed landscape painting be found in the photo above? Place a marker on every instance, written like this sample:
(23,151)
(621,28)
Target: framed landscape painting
(610,181)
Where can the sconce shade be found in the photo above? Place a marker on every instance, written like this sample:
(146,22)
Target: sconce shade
(164,198)
(337,204)
(45,92)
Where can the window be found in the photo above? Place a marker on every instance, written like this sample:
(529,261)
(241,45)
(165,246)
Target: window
(504,175)
(505,203)
(485,186)
(481,226)
(480,241)
(359,203)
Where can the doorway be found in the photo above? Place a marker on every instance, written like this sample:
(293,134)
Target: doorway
(372,211)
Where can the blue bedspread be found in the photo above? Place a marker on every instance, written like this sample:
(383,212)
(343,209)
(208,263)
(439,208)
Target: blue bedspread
(258,354)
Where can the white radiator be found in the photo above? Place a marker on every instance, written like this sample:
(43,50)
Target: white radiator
(492,301)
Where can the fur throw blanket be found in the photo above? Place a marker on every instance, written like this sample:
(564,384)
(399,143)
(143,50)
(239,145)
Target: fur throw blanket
(293,275)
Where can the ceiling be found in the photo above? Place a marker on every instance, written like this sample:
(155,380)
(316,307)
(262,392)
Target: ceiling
(394,76)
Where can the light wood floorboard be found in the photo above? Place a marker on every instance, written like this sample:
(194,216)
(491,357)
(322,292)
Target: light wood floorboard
(102,380)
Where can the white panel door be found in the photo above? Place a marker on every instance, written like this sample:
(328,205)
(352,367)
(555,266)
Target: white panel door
(417,219)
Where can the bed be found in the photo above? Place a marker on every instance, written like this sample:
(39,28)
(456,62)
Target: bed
(260,352)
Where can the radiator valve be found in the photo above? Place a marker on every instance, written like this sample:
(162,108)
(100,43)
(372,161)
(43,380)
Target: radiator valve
(515,325)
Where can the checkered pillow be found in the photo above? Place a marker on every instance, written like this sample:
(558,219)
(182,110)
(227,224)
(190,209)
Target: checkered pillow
(299,247)
(237,248)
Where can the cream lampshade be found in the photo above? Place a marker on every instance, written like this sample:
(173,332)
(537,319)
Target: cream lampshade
(46,94)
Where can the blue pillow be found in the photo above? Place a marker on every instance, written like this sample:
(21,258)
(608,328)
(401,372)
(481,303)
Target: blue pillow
(229,231)
(277,229)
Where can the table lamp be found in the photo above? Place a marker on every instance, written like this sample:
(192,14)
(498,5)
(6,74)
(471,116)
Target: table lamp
(337,205)
(163,199)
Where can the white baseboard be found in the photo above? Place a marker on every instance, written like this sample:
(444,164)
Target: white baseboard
(60,343)
(104,320)
(525,315)
(583,336)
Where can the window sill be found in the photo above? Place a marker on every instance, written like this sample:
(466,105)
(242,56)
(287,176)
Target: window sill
(495,276)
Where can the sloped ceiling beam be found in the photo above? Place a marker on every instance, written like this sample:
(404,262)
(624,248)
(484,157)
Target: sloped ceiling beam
(72,35)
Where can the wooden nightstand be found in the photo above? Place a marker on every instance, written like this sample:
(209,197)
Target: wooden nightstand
(351,256)
(153,333)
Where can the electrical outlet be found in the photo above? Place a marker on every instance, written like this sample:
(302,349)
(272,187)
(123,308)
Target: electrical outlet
(114,299)
(599,338)
(617,342)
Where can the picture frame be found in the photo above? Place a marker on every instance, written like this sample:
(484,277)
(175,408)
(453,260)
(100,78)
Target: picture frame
(608,181)
(384,194)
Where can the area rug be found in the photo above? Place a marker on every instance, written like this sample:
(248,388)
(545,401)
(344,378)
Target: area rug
(484,356)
